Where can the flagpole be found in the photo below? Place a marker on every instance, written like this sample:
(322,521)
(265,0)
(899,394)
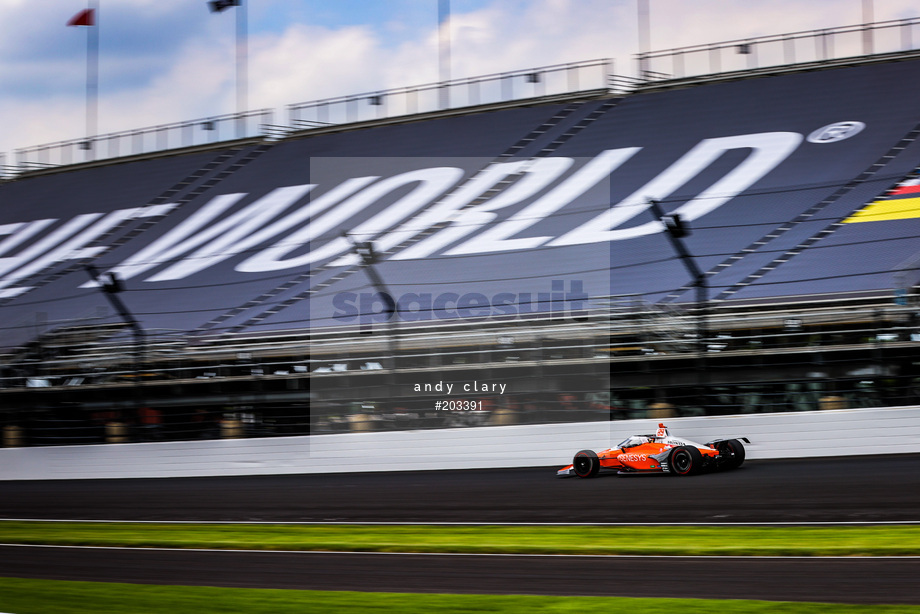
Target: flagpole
(444,51)
(88,18)
(242,51)
(241,68)
(644,31)
(92,76)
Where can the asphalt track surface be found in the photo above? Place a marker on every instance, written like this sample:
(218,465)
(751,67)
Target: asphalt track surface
(845,580)
(856,490)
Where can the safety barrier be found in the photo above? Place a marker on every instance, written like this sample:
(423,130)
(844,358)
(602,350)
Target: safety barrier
(540,82)
(750,54)
(468,92)
(206,131)
(789,435)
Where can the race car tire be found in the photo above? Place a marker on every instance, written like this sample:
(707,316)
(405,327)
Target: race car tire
(685,460)
(731,453)
(586,464)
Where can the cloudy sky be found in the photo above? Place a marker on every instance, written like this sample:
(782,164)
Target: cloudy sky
(165,61)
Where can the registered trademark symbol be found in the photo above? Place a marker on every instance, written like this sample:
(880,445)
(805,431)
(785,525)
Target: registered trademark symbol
(836,132)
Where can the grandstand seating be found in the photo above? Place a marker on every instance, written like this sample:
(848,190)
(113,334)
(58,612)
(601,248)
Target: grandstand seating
(539,210)
(813,188)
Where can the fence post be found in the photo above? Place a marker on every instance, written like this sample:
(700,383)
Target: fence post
(868,28)
(573,77)
(240,117)
(162,137)
(752,55)
(187,134)
(715,59)
(350,105)
(267,120)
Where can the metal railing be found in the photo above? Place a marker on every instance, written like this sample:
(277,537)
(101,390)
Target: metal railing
(748,54)
(473,91)
(824,45)
(104,358)
(617,328)
(144,140)
(458,93)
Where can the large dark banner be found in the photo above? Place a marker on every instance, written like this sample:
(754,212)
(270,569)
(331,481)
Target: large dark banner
(488,216)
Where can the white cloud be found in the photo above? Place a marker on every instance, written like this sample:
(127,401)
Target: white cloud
(310,63)
(169,60)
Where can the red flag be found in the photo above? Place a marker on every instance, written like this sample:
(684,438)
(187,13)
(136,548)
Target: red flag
(86,17)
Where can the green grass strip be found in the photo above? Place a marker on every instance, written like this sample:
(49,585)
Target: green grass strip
(60,597)
(887,540)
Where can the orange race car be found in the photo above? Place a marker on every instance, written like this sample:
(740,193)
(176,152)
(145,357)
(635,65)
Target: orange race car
(659,453)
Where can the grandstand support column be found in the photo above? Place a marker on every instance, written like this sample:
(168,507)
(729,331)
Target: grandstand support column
(676,230)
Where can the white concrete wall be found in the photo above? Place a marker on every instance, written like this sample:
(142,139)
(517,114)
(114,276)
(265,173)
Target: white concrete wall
(787,435)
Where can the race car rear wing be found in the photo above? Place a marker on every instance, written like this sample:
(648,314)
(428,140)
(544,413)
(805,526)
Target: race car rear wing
(715,441)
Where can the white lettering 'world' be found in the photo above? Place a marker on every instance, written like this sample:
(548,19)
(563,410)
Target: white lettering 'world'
(462,217)
(769,149)
(533,178)
(498,238)
(432,182)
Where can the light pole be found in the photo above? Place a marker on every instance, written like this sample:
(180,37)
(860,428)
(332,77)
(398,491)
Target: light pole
(676,230)
(111,285)
(365,251)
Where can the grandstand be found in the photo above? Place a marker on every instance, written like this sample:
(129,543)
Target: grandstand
(516,237)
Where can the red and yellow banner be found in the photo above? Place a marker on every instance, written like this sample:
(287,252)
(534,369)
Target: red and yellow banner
(902,204)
